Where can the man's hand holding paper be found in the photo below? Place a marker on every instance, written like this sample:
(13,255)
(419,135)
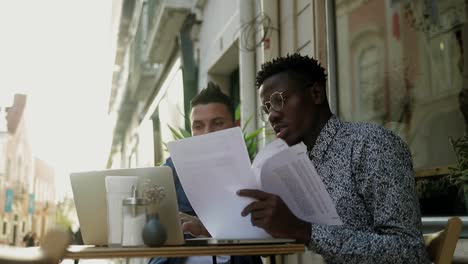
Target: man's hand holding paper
(271,213)
(192,225)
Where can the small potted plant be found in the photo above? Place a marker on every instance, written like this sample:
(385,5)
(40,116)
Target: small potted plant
(459,172)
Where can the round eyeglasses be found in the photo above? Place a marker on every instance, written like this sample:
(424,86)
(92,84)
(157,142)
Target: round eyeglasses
(277,100)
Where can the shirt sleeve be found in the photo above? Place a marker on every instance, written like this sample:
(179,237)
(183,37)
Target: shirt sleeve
(182,200)
(384,175)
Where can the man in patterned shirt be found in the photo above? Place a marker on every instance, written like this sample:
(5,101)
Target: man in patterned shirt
(366,169)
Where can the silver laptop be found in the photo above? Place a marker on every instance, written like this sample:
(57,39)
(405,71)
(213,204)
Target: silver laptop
(89,193)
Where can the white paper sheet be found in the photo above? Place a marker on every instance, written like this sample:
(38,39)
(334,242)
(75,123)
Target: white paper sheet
(212,168)
(290,175)
(267,152)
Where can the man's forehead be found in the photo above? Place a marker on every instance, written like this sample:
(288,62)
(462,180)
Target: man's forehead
(209,111)
(274,83)
(210,116)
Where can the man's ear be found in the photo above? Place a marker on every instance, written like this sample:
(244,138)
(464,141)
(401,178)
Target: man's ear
(317,93)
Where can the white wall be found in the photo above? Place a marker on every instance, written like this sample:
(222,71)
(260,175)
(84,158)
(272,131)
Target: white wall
(296,26)
(218,33)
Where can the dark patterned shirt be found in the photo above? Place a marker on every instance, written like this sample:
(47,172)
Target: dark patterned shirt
(368,172)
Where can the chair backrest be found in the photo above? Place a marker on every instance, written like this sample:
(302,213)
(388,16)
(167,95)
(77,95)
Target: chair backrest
(441,245)
(52,249)
(54,244)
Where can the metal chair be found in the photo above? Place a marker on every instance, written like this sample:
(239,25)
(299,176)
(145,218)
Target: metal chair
(51,250)
(441,245)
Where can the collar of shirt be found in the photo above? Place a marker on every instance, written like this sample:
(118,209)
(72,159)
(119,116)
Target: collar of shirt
(325,138)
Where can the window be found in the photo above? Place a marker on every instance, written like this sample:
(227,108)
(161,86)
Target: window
(399,68)
(400,64)
(369,88)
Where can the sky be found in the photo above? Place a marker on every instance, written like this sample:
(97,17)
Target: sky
(59,53)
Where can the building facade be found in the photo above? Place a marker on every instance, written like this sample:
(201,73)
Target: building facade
(18,173)
(27,198)
(42,205)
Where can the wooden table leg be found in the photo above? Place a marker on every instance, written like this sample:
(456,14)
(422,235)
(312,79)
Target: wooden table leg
(272,259)
(215,261)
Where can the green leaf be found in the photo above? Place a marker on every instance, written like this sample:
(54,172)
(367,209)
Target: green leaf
(185,133)
(459,172)
(237,113)
(176,134)
(247,123)
(252,149)
(254,134)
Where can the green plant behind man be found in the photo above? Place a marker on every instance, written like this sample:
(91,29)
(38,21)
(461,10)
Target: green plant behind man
(459,173)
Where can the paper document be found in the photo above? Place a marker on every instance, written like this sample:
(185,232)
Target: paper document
(291,175)
(214,166)
(267,152)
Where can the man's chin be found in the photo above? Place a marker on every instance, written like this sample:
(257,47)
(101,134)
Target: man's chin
(291,141)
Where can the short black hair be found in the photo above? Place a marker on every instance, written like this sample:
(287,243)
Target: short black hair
(302,69)
(213,94)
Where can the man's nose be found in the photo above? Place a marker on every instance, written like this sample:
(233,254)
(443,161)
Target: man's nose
(209,129)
